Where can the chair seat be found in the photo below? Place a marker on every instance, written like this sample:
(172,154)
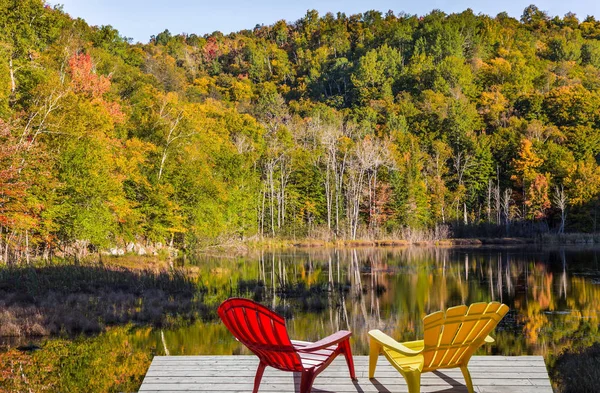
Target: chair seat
(315,358)
(407,363)
(404,362)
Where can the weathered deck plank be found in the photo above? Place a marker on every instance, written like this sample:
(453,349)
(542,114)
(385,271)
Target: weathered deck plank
(491,374)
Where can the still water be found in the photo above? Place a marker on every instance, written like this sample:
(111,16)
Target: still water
(553,295)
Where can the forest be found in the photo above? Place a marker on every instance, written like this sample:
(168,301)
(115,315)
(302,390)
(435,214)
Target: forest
(366,126)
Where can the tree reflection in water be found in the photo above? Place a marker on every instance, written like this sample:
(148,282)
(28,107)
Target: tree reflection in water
(554,295)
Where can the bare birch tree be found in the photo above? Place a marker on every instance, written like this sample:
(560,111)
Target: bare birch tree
(506,201)
(329,139)
(560,201)
(367,157)
(170,119)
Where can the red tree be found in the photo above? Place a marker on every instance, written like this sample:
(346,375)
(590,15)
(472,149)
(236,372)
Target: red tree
(85,80)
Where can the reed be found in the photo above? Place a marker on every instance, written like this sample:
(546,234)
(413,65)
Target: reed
(65,298)
(577,370)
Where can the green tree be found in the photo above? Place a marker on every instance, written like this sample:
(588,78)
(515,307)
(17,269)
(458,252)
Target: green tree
(376,73)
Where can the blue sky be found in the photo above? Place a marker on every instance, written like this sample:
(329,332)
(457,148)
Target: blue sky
(139,19)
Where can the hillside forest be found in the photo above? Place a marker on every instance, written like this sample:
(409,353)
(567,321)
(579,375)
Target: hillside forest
(375,125)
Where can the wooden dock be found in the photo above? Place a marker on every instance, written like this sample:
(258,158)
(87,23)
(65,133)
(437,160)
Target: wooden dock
(490,374)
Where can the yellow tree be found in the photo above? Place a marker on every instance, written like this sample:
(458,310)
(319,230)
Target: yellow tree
(437,170)
(538,200)
(535,185)
(583,181)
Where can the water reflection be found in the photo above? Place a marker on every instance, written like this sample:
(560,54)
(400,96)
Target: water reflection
(553,295)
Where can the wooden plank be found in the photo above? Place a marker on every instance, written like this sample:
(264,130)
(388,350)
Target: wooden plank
(374,387)
(491,374)
(330,381)
(536,374)
(362,388)
(379,364)
(505,378)
(252,359)
(358,358)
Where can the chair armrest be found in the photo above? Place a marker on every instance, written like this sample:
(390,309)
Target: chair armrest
(328,341)
(489,340)
(392,344)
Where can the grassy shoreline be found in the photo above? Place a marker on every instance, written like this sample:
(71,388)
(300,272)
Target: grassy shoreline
(546,239)
(71,299)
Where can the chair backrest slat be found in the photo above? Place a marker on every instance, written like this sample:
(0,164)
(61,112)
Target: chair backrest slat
(452,337)
(262,331)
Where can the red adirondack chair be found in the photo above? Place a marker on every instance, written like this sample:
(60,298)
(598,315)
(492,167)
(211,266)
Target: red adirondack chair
(264,333)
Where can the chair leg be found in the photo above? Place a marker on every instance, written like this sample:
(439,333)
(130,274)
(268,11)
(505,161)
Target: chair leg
(306,382)
(413,380)
(258,377)
(347,350)
(467,376)
(374,350)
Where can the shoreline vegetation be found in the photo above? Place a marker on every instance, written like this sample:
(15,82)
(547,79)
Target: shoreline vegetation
(160,251)
(168,255)
(546,239)
(70,299)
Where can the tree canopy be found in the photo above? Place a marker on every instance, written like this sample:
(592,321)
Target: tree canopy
(365,125)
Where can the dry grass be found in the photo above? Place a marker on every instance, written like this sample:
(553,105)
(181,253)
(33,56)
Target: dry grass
(578,370)
(47,300)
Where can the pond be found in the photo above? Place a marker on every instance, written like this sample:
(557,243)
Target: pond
(553,295)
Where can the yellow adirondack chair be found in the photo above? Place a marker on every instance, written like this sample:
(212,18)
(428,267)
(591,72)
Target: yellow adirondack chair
(450,339)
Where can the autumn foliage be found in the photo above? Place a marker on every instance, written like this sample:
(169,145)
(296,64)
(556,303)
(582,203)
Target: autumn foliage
(85,80)
(334,126)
